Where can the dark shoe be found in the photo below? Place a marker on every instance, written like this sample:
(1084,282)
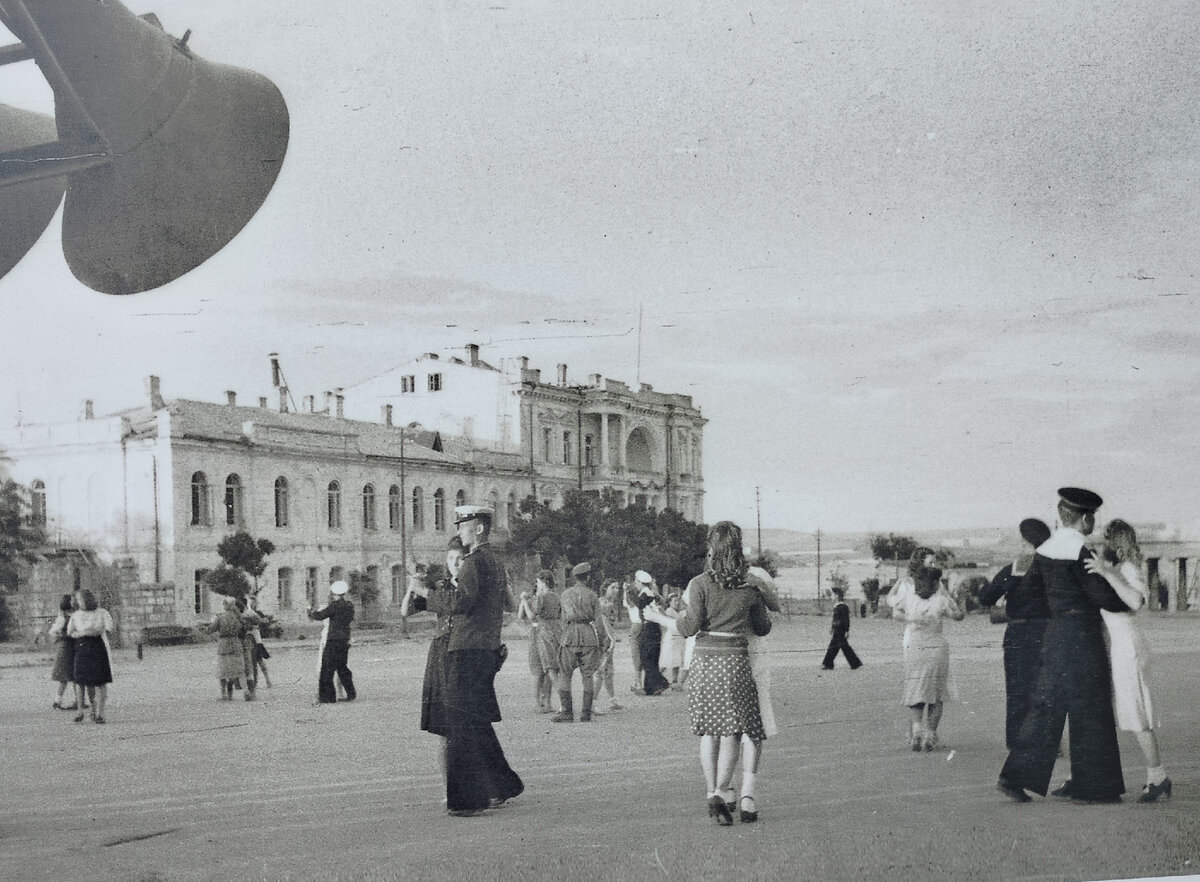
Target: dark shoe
(1012,791)
(748,817)
(57,706)
(465,813)
(1063,791)
(827,667)
(72,706)
(856,667)
(79,718)
(99,720)
(1153,792)
(563,717)
(719,810)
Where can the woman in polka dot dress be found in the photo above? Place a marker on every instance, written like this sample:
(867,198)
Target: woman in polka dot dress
(723,610)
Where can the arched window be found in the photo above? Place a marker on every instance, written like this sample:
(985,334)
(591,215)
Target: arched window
(512,508)
(333,505)
(281,502)
(336,574)
(233,501)
(439,510)
(494,505)
(368,507)
(201,505)
(418,509)
(372,581)
(460,498)
(285,588)
(398,586)
(37,501)
(394,507)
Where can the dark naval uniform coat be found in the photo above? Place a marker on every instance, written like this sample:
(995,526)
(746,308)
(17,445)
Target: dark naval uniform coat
(1028,616)
(1073,680)
(476,769)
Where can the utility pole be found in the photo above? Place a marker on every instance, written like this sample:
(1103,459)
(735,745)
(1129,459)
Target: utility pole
(758,511)
(820,604)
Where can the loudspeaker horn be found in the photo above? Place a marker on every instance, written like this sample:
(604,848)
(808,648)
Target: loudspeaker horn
(191,148)
(26,209)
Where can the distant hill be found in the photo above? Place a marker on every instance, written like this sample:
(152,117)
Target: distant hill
(981,544)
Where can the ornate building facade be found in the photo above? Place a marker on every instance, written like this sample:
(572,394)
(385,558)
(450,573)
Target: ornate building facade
(156,487)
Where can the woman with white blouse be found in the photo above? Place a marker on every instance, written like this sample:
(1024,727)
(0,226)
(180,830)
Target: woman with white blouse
(90,626)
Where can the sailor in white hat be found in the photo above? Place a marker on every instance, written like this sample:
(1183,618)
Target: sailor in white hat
(335,644)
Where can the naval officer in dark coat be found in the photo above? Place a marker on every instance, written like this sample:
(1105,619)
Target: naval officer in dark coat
(477,773)
(1028,616)
(1073,681)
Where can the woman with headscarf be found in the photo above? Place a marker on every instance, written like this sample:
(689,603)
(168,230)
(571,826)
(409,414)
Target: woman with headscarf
(231,662)
(90,626)
(723,610)
(922,604)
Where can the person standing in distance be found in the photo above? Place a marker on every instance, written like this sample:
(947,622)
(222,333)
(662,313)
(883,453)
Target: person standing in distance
(336,652)
(839,640)
(580,645)
(477,774)
(1073,681)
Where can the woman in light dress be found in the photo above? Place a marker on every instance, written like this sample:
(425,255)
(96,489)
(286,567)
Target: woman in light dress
(921,602)
(90,626)
(1120,565)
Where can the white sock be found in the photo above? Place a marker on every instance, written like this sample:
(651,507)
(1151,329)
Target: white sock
(1156,775)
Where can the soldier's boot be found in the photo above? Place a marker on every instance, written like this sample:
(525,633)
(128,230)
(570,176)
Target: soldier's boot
(567,714)
(539,696)
(585,714)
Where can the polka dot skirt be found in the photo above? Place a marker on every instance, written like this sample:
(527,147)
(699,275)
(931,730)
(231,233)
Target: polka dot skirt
(722,697)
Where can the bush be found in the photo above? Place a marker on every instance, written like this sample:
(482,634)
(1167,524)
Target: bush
(167,635)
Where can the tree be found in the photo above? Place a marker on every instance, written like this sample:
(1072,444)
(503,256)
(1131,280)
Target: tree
(615,538)
(768,560)
(839,584)
(871,592)
(20,537)
(892,547)
(242,558)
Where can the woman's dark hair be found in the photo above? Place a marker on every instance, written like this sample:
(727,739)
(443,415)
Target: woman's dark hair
(547,577)
(66,604)
(918,560)
(724,562)
(88,599)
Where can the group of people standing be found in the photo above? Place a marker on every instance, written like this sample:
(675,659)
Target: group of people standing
(1073,655)
(240,650)
(82,657)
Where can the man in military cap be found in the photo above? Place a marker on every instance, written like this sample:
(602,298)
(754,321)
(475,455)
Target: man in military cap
(477,773)
(580,645)
(335,644)
(1027,616)
(1073,681)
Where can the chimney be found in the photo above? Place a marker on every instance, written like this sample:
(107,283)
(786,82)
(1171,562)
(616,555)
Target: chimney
(262,401)
(386,413)
(156,400)
(310,404)
(595,380)
(562,375)
(432,356)
(88,410)
(341,404)
(473,353)
(276,379)
(328,402)
(231,398)
(283,399)
(524,362)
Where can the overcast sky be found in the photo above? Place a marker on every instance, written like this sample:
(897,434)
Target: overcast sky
(919,263)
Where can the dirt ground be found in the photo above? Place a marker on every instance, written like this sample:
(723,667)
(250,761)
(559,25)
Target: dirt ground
(178,785)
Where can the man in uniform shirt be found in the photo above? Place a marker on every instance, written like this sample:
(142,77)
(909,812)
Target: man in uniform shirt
(1074,681)
(477,774)
(335,650)
(580,644)
(1028,616)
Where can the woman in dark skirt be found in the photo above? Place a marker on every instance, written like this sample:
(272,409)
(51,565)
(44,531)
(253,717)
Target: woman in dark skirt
(63,672)
(90,626)
(723,609)
(434,715)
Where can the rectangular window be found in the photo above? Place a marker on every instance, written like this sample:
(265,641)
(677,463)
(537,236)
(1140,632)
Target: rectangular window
(547,443)
(568,458)
(588,450)
(200,592)
(408,383)
(284,595)
(435,382)
(310,585)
